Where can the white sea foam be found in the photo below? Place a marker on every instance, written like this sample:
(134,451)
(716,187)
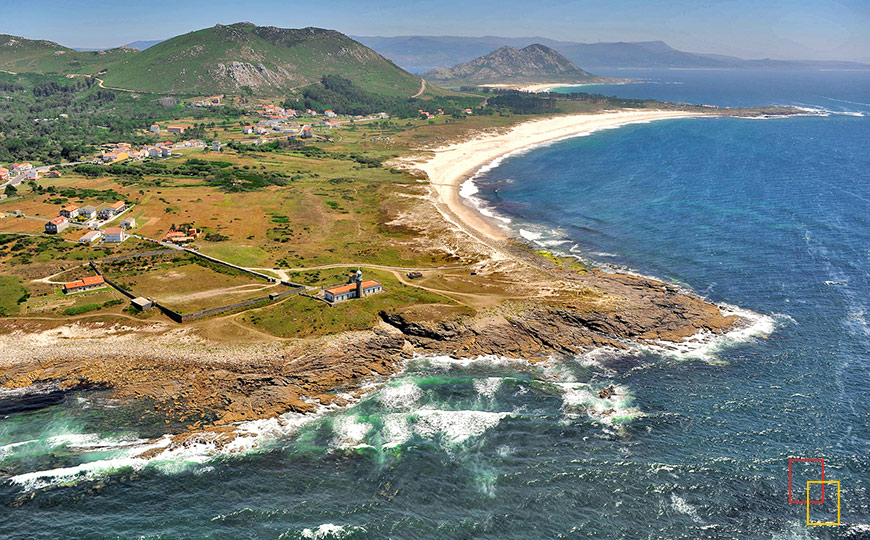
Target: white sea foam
(450,427)
(705,344)
(350,432)
(447,363)
(608,411)
(814,110)
(488,387)
(401,397)
(7,449)
(86,471)
(858,530)
(252,435)
(455,427)
(328,531)
(531,236)
(680,505)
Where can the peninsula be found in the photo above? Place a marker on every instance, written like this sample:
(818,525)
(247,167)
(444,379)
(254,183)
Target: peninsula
(202,288)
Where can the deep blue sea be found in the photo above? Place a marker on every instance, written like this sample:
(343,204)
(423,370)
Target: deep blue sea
(767,216)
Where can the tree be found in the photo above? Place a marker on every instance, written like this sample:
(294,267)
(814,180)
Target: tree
(11,191)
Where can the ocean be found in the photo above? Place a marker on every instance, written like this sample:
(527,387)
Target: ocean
(767,217)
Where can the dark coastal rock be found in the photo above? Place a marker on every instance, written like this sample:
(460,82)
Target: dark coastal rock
(607,393)
(606,310)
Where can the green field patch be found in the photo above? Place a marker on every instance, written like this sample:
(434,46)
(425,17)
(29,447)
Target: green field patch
(299,316)
(12,295)
(87,308)
(247,256)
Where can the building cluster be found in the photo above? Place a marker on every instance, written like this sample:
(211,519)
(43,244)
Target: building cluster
(181,237)
(428,115)
(273,112)
(27,170)
(114,153)
(277,119)
(86,216)
(214,101)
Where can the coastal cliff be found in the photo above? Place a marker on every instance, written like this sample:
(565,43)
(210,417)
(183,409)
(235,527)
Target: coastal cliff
(246,383)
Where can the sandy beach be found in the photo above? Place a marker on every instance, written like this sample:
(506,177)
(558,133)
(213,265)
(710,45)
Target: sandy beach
(534,88)
(451,165)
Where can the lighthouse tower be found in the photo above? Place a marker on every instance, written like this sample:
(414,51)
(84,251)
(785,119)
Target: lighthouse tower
(358,279)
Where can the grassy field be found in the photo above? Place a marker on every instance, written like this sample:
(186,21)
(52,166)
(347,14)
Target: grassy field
(332,203)
(186,283)
(299,316)
(53,302)
(11,292)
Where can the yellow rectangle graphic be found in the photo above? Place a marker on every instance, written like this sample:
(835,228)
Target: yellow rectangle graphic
(808,501)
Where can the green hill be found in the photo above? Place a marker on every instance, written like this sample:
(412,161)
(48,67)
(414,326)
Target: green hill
(19,54)
(23,55)
(244,58)
(531,64)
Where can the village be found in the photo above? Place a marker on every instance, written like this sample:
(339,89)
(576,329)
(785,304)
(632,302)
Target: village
(273,121)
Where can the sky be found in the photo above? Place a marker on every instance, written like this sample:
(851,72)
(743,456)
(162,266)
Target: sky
(783,29)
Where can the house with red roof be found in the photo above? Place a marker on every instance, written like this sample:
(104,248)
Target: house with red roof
(114,235)
(56,225)
(356,287)
(84,284)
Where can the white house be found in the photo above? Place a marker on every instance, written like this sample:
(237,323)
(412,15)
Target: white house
(113,209)
(114,235)
(355,287)
(88,212)
(56,225)
(91,236)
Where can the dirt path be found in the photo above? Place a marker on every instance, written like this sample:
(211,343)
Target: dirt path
(283,271)
(76,317)
(102,85)
(49,278)
(238,289)
(422,88)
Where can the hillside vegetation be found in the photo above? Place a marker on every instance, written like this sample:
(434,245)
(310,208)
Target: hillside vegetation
(244,58)
(21,55)
(240,58)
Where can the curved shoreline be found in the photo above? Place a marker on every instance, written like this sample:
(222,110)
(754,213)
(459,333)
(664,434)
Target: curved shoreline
(452,165)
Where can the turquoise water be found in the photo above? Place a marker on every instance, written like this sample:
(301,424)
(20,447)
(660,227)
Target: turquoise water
(770,216)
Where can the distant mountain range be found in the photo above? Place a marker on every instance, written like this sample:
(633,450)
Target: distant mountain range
(141,45)
(533,63)
(236,58)
(422,53)
(144,44)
